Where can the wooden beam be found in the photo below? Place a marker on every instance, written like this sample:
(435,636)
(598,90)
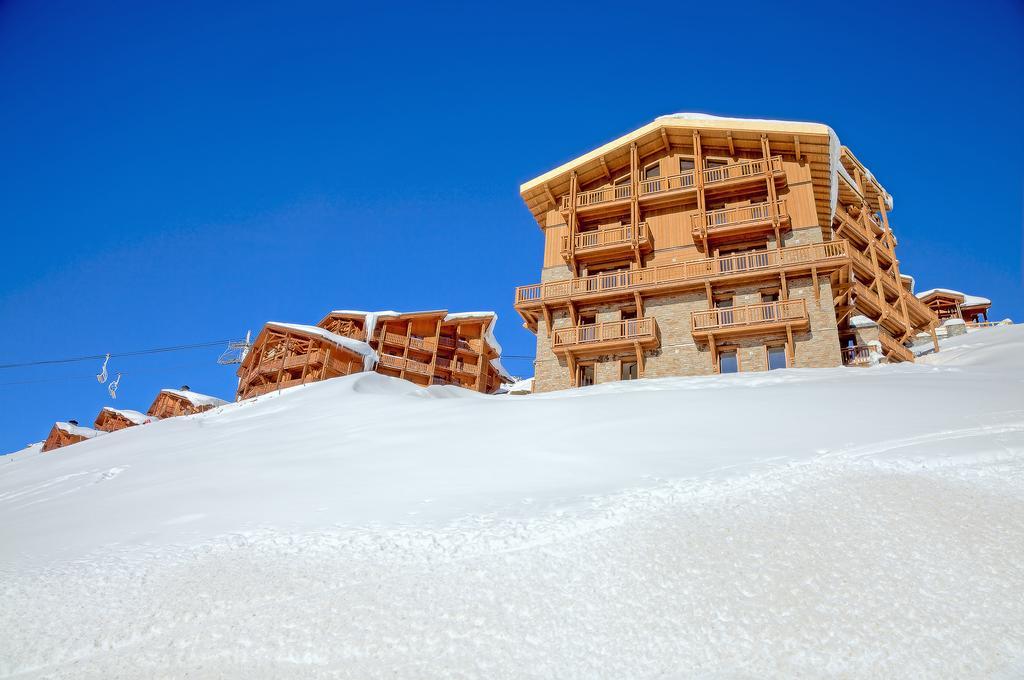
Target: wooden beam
(732,146)
(664,139)
(796,146)
(640,364)
(604,167)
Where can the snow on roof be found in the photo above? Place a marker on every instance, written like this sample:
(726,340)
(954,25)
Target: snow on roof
(968,300)
(488,336)
(519,386)
(357,346)
(78,430)
(910,278)
(705,120)
(195,398)
(132,416)
(860,321)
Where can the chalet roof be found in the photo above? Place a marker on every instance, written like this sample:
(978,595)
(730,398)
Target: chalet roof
(964,299)
(131,416)
(818,143)
(357,346)
(195,398)
(78,430)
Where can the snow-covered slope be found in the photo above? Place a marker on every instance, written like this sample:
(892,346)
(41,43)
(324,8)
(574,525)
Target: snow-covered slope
(840,522)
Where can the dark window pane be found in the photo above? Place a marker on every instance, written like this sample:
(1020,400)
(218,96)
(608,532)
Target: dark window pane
(776,358)
(727,363)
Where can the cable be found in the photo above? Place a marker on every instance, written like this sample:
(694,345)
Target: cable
(97,357)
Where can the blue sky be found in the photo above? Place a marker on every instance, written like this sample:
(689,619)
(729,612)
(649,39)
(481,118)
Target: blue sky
(175,173)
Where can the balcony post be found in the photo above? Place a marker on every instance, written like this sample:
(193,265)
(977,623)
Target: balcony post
(634,200)
(895,262)
(574,186)
(698,176)
(773,197)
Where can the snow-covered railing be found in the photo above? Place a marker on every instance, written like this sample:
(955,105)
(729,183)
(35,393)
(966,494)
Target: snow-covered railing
(629,329)
(728,217)
(682,272)
(601,238)
(749,315)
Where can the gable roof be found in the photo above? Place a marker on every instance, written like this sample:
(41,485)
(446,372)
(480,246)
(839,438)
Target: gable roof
(818,143)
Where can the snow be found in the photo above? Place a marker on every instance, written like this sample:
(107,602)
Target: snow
(358,346)
(861,321)
(783,524)
(78,430)
(369,318)
(195,398)
(969,300)
(134,416)
(524,386)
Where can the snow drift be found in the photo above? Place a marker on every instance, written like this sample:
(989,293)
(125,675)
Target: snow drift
(850,522)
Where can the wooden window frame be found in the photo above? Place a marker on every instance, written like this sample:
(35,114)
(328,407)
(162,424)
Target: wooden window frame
(651,165)
(725,349)
(628,361)
(784,346)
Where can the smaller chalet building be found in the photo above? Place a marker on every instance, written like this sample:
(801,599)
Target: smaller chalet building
(64,434)
(170,403)
(111,419)
(285,355)
(952,304)
(427,348)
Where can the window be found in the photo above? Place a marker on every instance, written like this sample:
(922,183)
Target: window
(628,371)
(685,164)
(587,331)
(776,358)
(767,297)
(585,375)
(728,362)
(652,171)
(622,180)
(714,163)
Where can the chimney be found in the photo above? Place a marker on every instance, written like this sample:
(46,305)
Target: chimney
(72,422)
(184,388)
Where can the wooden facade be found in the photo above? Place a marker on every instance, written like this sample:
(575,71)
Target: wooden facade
(426,348)
(64,434)
(285,355)
(111,419)
(182,402)
(952,304)
(698,244)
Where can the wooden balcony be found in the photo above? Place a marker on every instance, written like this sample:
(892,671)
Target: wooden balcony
(401,363)
(609,336)
(693,274)
(610,243)
(739,220)
(656,190)
(750,319)
(858,355)
(744,171)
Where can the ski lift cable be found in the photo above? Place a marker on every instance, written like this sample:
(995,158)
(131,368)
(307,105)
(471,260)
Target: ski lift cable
(95,357)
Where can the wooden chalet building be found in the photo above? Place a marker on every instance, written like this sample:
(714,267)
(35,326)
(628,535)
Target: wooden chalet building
(284,355)
(64,434)
(111,419)
(426,348)
(952,304)
(698,244)
(170,403)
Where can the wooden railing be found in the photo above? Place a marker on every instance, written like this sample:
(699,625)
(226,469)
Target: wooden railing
(629,329)
(682,272)
(727,217)
(897,350)
(660,185)
(608,237)
(857,355)
(391,361)
(597,196)
(749,315)
(749,168)
(683,180)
